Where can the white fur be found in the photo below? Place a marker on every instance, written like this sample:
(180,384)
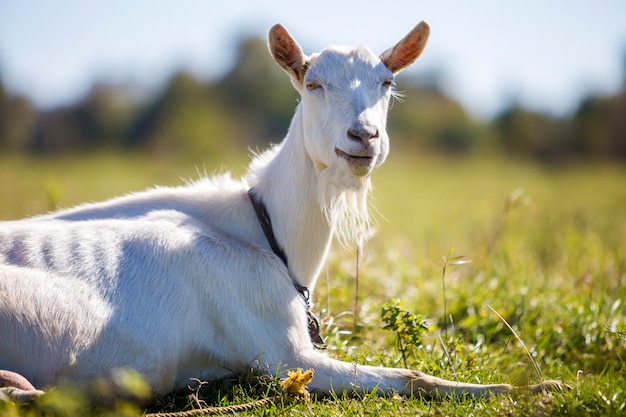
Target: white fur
(181,283)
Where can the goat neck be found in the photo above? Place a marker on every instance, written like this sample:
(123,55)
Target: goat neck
(288,186)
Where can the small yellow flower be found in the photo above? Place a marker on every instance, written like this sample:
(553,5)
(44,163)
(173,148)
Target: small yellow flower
(295,383)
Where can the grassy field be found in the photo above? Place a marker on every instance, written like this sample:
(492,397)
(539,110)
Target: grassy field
(543,247)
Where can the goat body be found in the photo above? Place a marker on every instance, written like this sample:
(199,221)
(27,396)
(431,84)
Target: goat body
(180,283)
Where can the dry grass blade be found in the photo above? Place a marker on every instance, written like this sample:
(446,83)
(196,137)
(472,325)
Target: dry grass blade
(519,339)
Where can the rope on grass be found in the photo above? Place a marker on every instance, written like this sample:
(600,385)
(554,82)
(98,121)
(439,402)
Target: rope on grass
(213,411)
(293,386)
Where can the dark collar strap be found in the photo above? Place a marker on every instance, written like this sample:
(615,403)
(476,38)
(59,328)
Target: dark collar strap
(266,225)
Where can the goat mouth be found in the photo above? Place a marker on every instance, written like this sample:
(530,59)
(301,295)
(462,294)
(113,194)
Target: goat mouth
(359,164)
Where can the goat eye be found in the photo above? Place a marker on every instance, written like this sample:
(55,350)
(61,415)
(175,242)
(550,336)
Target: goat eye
(312,85)
(388,83)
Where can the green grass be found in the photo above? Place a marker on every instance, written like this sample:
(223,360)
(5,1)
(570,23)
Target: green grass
(547,248)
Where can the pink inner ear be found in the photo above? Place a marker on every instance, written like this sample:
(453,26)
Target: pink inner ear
(408,49)
(286,51)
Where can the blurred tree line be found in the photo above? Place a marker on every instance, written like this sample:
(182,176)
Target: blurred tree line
(253,105)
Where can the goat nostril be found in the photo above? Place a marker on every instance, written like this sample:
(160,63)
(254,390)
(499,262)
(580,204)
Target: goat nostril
(354,134)
(362,134)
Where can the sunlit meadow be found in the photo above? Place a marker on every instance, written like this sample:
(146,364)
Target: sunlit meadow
(544,247)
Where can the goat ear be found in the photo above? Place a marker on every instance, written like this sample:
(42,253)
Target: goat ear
(407,50)
(287,53)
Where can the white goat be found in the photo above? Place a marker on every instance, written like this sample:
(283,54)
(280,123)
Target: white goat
(188,282)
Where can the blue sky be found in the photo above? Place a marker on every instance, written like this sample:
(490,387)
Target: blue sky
(544,54)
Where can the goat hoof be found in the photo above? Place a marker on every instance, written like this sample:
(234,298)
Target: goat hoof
(550,386)
(19,395)
(14,387)
(15,380)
